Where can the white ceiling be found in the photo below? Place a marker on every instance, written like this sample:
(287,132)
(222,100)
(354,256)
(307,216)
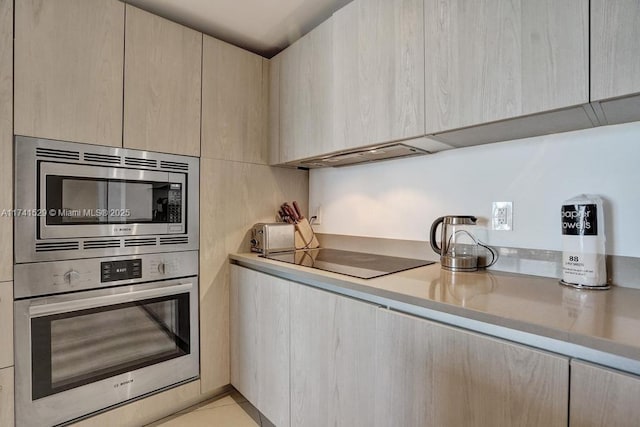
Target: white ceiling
(261,26)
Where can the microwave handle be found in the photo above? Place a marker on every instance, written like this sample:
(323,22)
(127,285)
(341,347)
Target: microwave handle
(105,300)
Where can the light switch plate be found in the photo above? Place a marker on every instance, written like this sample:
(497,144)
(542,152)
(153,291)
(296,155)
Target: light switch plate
(502,216)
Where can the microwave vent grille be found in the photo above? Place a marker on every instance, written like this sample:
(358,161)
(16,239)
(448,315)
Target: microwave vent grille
(100,244)
(147,241)
(57,154)
(164,164)
(56,246)
(134,161)
(177,240)
(102,158)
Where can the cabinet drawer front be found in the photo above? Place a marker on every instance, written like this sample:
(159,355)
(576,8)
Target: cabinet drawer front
(6,397)
(603,397)
(431,374)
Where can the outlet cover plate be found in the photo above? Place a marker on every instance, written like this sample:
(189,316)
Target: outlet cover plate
(502,216)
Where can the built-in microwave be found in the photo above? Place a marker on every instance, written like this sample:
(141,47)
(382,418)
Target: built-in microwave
(78,200)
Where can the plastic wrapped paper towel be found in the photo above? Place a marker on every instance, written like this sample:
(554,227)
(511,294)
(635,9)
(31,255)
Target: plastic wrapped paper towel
(583,243)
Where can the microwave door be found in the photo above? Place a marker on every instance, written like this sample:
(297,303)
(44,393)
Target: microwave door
(78,197)
(131,202)
(91,201)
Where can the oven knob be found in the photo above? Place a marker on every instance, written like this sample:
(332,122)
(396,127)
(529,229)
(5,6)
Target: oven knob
(71,277)
(162,268)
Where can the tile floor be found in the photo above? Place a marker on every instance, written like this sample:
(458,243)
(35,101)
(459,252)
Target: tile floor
(231,410)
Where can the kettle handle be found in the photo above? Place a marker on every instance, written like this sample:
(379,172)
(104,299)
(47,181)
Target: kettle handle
(432,239)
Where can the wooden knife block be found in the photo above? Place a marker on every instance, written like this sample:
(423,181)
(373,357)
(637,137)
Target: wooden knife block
(305,238)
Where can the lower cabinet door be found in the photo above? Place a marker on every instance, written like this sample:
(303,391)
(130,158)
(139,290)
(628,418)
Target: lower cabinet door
(259,328)
(6,397)
(428,374)
(332,359)
(6,324)
(603,397)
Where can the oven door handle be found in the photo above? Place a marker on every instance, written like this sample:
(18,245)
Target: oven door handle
(47,309)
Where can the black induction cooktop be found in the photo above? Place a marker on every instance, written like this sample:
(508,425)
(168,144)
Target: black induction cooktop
(356,264)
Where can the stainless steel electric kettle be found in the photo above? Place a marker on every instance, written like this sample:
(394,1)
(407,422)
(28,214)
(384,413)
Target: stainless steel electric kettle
(458,246)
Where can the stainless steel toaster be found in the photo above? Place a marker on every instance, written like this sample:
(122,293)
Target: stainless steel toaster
(272,237)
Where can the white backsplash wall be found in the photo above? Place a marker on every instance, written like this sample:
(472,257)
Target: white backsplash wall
(399,199)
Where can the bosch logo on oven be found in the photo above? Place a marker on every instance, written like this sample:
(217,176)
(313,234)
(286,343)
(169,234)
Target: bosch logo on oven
(123,383)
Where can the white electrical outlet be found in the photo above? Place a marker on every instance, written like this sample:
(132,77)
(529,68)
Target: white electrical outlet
(502,216)
(315,216)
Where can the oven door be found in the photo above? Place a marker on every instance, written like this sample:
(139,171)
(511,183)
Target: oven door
(94,201)
(80,353)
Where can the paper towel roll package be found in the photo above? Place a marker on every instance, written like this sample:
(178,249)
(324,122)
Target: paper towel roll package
(583,243)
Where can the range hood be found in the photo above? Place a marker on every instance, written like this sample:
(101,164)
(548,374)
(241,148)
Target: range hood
(375,153)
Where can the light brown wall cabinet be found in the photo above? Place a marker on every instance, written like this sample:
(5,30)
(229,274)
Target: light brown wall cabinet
(235,86)
(432,374)
(603,397)
(68,70)
(378,72)
(333,370)
(615,59)
(6,397)
(306,95)
(274,109)
(495,60)
(6,140)
(462,73)
(162,85)
(260,341)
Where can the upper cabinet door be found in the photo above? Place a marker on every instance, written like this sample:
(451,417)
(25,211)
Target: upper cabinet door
(68,70)
(234,103)
(378,72)
(306,101)
(615,50)
(491,60)
(162,85)
(6,142)
(615,60)
(274,109)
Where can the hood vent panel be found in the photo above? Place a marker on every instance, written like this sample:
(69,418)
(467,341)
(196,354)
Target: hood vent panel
(366,155)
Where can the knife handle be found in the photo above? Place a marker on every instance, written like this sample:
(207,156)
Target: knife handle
(297,209)
(289,210)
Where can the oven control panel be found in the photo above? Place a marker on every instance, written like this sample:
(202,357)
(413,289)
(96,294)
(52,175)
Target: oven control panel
(48,278)
(112,271)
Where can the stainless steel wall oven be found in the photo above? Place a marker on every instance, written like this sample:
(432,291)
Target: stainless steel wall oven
(94,333)
(78,200)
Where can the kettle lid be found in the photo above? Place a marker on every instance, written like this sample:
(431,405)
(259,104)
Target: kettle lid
(460,219)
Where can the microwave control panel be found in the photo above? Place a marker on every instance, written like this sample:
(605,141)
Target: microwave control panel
(174,203)
(112,271)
